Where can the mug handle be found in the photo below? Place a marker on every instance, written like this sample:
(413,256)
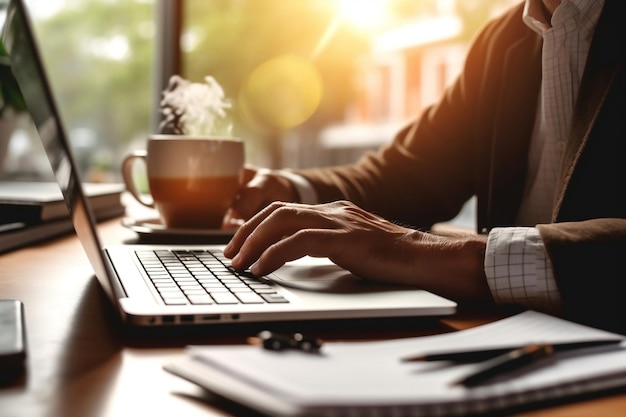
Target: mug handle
(127,173)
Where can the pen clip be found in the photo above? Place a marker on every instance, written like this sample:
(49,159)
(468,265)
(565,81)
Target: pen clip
(279,341)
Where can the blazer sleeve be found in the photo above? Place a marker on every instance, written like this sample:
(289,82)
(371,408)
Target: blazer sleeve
(588,261)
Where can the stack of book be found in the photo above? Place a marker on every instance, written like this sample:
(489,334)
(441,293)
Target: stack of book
(31,212)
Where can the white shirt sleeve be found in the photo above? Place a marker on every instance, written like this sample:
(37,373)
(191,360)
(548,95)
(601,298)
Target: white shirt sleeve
(519,271)
(305,189)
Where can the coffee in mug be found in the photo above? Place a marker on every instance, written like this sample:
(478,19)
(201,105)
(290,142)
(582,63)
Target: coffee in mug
(193,181)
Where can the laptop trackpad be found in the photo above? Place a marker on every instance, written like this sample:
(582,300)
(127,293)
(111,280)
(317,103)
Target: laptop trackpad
(322,275)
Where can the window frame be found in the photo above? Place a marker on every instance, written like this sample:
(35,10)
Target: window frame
(168,56)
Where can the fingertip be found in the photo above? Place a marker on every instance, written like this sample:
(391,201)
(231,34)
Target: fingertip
(233,246)
(234,262)
(231,250)
(228,251)
(256,270)
(237,263)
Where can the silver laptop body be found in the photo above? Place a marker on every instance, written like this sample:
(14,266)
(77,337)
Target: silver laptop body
(307,289)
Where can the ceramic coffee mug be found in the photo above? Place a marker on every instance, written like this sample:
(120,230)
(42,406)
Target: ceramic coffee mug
(193,180)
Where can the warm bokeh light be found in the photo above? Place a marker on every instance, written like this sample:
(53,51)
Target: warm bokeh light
(281,93)
(364,14)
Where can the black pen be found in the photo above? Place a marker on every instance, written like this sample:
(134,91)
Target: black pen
(509,361)
(480,355)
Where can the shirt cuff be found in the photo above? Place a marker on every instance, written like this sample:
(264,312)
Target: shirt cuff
(519,271)
(303,186)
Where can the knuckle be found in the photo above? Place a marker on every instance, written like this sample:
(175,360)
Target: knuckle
(275,205)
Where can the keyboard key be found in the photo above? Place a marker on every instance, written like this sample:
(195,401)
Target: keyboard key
(161,286)
(224,298)
(190,292)
(274,298)
(175,301)
(266,289)
(200,299)
(249,298)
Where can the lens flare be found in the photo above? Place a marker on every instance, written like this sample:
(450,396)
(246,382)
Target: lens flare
(281,93)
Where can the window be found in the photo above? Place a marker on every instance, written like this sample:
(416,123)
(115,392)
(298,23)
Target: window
(99,55)
(317,82)
(312,82)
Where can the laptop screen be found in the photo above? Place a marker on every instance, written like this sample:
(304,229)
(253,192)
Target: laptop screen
(19,41)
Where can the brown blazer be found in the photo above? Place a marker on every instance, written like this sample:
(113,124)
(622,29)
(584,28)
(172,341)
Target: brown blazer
(475,142)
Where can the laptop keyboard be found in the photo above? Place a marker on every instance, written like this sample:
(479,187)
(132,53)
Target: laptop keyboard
(202,277)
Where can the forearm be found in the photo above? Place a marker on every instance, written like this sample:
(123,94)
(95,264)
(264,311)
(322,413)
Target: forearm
(455,266)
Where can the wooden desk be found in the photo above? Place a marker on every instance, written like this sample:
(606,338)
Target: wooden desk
(82,364)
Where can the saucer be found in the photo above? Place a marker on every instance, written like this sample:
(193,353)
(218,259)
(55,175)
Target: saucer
(155,229)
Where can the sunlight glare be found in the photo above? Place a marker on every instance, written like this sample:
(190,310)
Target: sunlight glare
(364,14)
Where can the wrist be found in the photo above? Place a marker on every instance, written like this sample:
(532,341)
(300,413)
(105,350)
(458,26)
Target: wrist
(290,191)
(300,186)
(459,265)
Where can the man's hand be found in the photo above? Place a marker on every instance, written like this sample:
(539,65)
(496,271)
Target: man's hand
(259,188)
(363,243)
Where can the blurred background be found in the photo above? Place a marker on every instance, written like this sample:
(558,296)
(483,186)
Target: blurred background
(312,82)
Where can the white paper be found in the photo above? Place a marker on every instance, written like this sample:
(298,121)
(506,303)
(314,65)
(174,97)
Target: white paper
(372,373)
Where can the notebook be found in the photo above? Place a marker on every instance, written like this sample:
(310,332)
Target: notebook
(305,289)
(371,378)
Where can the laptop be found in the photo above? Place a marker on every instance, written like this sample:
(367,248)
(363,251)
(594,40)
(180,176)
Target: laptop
(136,277)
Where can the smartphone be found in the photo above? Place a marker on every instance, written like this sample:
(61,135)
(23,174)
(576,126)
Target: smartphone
(12,340)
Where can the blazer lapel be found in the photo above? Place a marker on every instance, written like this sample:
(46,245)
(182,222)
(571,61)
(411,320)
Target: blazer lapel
(517,107)
(606,58)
